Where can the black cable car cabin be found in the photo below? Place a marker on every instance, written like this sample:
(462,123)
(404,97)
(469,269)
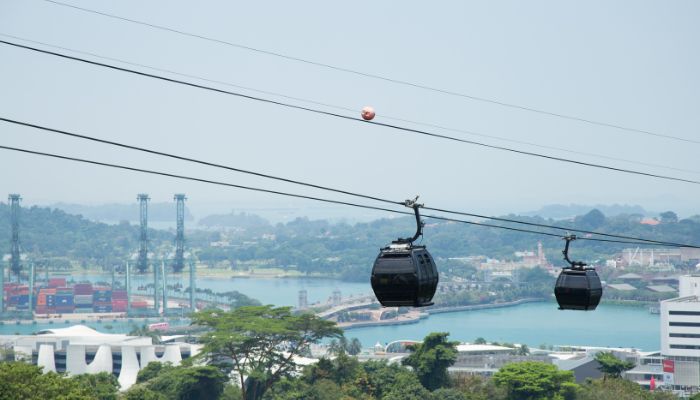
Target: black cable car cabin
(577,287)
(404,274)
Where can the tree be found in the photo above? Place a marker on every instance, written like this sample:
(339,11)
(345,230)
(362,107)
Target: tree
(189,383)
(447,394)
(612,366)
(151,370)
(668,217)
(532,380)
(103,386)
(592,220)
(523,350)
(23,381)
(618,389)
(141,392)
(431,359)
(476,387)
(259,343)
(479,340)
(354,347)
(145,332)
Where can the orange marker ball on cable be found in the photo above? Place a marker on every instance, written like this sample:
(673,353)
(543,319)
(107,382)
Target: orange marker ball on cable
(368,113)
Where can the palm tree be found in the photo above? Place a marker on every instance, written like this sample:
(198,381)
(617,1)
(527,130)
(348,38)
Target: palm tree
(144,331)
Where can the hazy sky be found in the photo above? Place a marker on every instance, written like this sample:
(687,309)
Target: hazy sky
(633,63)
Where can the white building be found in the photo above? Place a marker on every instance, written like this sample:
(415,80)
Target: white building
(81,350)
(680,336)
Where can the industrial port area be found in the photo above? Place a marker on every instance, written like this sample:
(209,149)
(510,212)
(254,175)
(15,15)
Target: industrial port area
(29,295)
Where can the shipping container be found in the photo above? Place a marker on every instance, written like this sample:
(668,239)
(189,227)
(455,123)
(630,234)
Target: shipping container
(64,300)
(57,282)
(82,288)
(119,294)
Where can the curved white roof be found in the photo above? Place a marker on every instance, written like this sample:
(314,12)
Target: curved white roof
(75,330)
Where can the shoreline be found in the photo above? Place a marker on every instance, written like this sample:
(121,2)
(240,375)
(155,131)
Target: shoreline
(426,314)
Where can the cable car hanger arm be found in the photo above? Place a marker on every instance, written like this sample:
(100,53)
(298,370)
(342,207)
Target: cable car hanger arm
(419,224)
(573,264)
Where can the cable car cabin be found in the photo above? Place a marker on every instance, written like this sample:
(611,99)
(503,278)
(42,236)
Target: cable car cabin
(578,289)
(404,275)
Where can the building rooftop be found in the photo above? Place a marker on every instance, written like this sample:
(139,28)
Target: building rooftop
(630,275)
(622,286)
(686,299)
(661,288)
(480,348)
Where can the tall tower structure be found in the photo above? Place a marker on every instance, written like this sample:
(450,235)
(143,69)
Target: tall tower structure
(179,262)
(303,299)
(15,263)
(142,261)
(540,255)
(192,287)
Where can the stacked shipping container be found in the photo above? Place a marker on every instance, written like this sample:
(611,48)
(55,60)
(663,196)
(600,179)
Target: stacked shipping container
(64,300)
(119,301)
(17,297)
(82,297)
(102,299)
(46,301)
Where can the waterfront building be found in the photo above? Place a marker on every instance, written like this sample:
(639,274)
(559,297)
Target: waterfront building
(67,350)
(680,337)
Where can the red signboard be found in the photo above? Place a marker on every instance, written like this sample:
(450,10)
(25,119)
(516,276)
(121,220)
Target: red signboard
(669,366)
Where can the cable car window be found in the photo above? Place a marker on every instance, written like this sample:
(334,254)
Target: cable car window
(395,265)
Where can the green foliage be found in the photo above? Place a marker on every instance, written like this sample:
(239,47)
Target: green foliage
(612,366)
(259,342)
(145,332)
(102,386)
(152,370)
(431,359)
(380,380)
(618,389)
(535,380)
(307,245)
(142,392)
(448,394)
(22,381)
(342,345)
(476,387)
(180,383)
(355,347)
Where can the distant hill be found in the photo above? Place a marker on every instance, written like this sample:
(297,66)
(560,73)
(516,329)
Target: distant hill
(564,211)
(122,212)
(46,232)
(233,220)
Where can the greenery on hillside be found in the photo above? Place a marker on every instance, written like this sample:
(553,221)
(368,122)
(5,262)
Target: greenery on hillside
(319,246)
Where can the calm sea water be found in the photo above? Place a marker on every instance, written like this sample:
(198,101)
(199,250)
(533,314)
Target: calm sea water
(277,291)
(532,324)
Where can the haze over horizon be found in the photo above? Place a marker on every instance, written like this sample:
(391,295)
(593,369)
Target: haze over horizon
(600,61)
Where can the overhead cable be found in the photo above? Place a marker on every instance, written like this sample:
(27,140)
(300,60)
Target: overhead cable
(379,77)
(300,196)
(328,113)
(350,109)
(315,186)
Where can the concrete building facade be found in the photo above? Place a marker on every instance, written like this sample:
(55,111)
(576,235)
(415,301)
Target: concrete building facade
(680,337)
(81,350)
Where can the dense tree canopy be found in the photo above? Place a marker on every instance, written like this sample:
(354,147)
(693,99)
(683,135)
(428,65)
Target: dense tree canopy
(259,343)
(22,381)
(612,366)
(431,358)
(534,381)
